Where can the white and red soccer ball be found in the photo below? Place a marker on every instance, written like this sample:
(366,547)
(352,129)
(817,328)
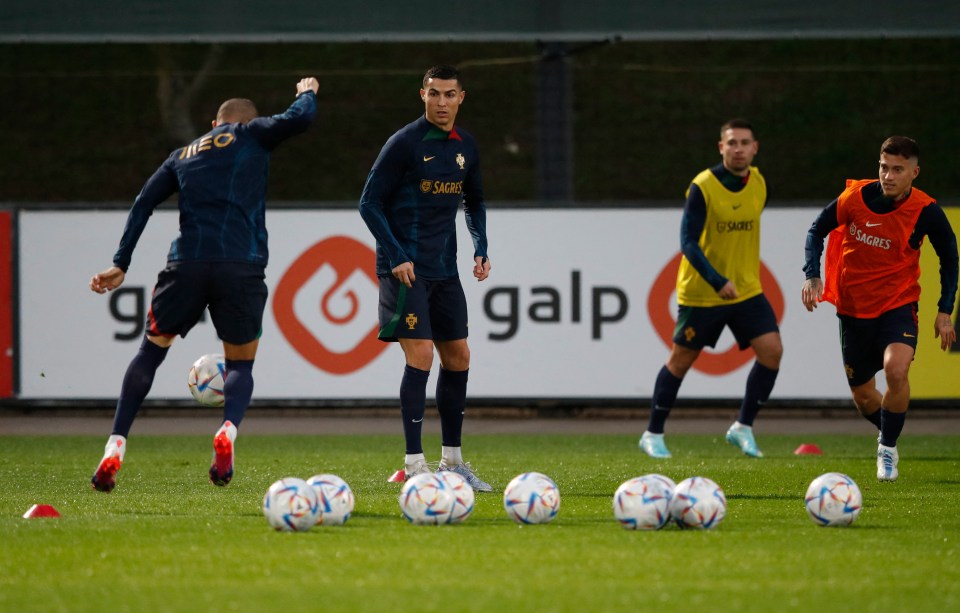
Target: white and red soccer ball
(833,499)
(205,379)
(531,498)
(643,503)
(698,503)
(291,505)
(336,499)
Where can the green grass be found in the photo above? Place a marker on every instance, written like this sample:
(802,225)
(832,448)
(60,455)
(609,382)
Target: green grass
(166,540)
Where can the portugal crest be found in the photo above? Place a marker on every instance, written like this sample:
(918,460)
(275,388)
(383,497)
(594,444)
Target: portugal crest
(461,160)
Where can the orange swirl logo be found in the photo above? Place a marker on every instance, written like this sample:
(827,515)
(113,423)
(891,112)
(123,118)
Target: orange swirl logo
(317,298)
(711,362)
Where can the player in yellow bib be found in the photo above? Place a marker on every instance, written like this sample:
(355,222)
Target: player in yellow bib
(718,286)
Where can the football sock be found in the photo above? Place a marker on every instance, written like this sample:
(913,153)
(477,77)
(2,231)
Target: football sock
(116,445)
(451,456)
(759,385)
(891,425)
(136,385)
(664,396)
(413,397)
(873,418)
(410,458)
(237,389)
(230,429)
(451,400)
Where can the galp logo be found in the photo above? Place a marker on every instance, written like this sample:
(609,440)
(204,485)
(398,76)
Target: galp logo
(319,310)
(711,362)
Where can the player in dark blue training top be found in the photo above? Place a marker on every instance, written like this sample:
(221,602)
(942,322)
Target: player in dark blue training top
(217,261)
(410,201)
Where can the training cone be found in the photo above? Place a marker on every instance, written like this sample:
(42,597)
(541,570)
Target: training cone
(398,477)
(807,449)
(41,510)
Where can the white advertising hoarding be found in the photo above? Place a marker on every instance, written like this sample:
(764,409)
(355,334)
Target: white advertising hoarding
(579,304)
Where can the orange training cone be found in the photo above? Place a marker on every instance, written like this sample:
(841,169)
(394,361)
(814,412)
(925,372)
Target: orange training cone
(807,449)
(398,477)
(41,510)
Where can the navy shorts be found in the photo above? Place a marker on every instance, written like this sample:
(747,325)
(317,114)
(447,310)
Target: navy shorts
(235,293)
(435,310)
(699,327)
(863,341)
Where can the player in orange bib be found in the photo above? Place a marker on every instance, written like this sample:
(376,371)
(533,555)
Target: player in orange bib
(876,228)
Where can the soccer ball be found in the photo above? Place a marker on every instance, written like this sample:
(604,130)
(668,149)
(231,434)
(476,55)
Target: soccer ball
(531,498)
(426,499)
(336,499)
(667,481)
(463,496)
(205,380)
(642,503)
(833,499)
(698,502)
(291,505)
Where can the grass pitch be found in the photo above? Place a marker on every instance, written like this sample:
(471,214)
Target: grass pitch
(167,540)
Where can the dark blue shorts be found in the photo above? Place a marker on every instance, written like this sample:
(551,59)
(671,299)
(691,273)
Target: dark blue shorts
(435,310)
(863,341)
(699,327)
(235,293)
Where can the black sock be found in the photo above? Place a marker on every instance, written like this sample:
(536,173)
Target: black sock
(759,385)
(891,425)
(873,418)
(136,385)
(451,400)
(413,397)
(237,389)
(664,396)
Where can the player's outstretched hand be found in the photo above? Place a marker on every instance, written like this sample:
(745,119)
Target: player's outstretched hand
(811,292)
(310,83)
(111,278)
(481,268)
(943,327)
(404,274)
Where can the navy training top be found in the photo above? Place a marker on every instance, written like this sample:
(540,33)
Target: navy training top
(410,200)
(222,181)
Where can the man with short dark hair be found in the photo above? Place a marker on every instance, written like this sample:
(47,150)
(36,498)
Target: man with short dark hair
(718,286)
(876,228)
(217,262)
(424,173)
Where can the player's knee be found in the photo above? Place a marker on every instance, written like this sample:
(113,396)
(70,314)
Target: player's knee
(455,356)
(897,375)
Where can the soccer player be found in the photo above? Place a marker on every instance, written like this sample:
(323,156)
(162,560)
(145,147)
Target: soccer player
(718,285)
(423,174)
(216,262)
(872,277)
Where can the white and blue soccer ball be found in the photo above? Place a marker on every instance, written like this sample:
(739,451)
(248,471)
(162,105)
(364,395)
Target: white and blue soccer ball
(336,499)
(291,505)
(833,499)
(426,499)
(699,503)
(643,503)
(531,498)
(463,496)
(205,379)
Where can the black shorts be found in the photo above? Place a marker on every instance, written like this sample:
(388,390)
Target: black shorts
(699,327)
(235,293)
(435,310)
(863,341)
